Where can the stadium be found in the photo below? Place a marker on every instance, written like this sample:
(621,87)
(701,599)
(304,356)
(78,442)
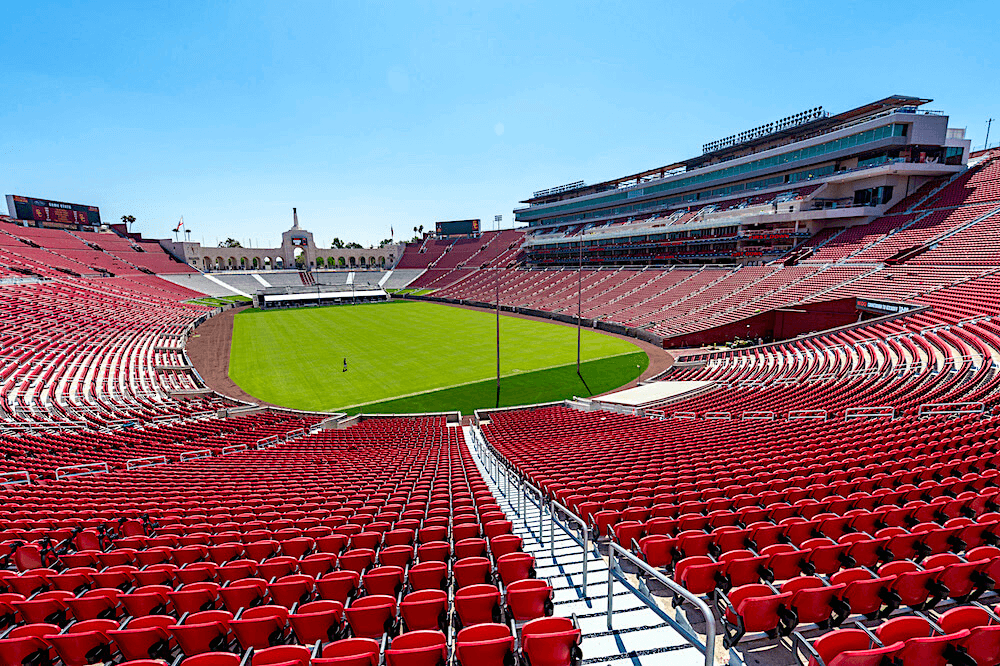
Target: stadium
(777,443)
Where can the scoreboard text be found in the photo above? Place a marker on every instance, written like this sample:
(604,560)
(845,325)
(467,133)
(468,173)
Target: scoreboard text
(52,213)
(457,228)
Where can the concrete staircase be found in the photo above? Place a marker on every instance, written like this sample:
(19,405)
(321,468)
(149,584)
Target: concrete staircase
(639,635)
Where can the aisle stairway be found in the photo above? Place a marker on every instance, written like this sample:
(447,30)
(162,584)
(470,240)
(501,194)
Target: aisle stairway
(640,636)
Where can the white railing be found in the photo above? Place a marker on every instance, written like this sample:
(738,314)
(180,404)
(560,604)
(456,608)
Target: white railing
(9,478)
(233,448)
(616,552)
(81,470)
(555,506)
(819,414)
(268,442)
(870,413)
(757,416)
(951,408)
(139,463)
(200,453)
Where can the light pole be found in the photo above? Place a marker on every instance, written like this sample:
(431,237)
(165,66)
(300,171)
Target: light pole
(498,219)
(579,304)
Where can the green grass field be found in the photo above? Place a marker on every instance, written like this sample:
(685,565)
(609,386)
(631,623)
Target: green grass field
(218,302)
(412,356)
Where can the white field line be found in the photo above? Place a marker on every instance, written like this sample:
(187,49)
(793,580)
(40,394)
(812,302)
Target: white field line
(476,381)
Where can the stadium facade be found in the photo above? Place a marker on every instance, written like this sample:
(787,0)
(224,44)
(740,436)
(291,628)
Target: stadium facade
(751,197)
(298,249)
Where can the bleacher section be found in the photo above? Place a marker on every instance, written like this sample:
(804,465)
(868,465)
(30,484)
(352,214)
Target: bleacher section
(802,534)
(378,542)
(401,277)
(50,252)
(331,277)
(95,352)
(199,283)
(245,283)
(460,258)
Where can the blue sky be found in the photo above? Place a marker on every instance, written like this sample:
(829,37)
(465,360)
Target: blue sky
(367,116)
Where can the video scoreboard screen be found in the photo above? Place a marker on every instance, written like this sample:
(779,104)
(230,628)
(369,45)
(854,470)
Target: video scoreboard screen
(300,242)
(457,228)
(52,213)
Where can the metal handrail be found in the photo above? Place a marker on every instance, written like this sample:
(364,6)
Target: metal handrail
(20,476)
(233,448)
(86,468)
(137,463)
(585,531)
(869,413)
(938,408)
(525,486)
(807,414)
(200,453)
(708,648)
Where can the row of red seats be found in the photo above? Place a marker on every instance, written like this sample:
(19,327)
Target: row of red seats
(318,540)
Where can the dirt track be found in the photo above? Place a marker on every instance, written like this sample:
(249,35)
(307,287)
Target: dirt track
(208,349)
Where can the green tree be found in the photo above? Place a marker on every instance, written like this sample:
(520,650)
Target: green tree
(127,220)
(337,244)
(387,241)
(353,246)
(230,242)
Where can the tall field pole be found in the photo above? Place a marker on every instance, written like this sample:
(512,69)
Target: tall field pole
(498,219)
(579,304)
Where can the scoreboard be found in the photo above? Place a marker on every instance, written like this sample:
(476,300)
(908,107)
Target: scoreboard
(457,228)
(52,213)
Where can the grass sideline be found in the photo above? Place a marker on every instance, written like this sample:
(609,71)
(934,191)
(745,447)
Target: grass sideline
(401,349)
(218,301)
(549,385)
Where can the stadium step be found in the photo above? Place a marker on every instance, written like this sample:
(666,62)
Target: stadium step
(639,636)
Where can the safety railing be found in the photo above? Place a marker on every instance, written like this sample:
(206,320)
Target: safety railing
(615,553)
(536,497)
(584,540)
(870,413)
(757,416)
(10,478)
(718,416)
(951,408)
(81,470)
(233,448)
(685,415)
(520,493)
(139,463)
(193,455)
(819,414)
(267,442)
